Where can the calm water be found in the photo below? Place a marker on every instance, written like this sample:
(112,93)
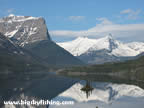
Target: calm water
(88,94)
(84,93)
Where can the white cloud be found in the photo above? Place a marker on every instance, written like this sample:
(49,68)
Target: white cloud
(127,11)
(6,12)
(124,31)
(104,21)
(131,14)
(10,10)
(76,18)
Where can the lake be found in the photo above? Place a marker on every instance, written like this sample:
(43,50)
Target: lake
(84,91)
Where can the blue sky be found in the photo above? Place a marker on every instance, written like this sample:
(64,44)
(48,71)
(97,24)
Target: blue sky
(68,19)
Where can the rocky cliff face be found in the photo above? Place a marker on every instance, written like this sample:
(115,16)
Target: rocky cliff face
(24,30)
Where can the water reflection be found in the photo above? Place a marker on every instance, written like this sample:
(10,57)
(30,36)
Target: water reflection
(45,87)
(107,78)
(88,94)
(85,93)
(87,88)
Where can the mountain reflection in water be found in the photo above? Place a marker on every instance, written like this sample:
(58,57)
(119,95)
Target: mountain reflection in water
(87,94)
(45,87)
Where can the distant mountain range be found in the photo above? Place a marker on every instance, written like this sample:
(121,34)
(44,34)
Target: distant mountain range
(107,49)
(26,35)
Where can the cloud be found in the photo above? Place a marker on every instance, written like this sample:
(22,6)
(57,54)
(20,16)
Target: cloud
(104,21)
(76,18)
(10,10)
(131,14)
(127,11)
(5,12)
(123,31)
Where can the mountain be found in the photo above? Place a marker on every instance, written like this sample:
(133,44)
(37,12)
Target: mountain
(54,55)
(24,29)
(98,51)
(78,46)
(16,59)
(31,33)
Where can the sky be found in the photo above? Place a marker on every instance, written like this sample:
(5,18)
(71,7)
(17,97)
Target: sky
(69,19)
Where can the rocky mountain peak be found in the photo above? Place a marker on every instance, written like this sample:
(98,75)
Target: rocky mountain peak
(110,42)
(24,30)
(32,34)
(113,44)
(108,37)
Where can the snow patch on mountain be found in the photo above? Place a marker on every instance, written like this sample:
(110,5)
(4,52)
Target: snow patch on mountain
(11,34)
(12,18)
(137,46)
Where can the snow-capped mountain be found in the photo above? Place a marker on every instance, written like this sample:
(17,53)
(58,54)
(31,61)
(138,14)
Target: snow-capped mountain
(24,29)
(78,46)
(32,34)
(107,48)
(106,93)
